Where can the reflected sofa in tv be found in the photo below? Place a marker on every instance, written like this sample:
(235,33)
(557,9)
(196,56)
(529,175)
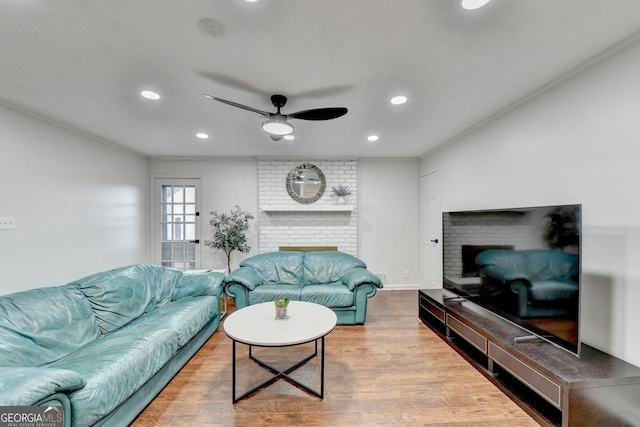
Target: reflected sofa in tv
(102,347)
(530,283)
(334,279)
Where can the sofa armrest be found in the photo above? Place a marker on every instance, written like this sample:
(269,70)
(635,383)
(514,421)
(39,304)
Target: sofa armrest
(522,291)
(29,385)
(360,276)
(503,275)
(197,284)
(244,276)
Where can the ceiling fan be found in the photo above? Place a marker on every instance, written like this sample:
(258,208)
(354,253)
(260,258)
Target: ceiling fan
(276,124)
(301,178)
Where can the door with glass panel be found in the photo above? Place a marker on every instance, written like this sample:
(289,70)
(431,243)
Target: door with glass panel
(177,223)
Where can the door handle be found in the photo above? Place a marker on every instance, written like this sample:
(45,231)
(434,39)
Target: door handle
(435,240)
(194,241)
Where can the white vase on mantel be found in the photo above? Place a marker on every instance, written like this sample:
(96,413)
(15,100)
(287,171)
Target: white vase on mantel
(341,200)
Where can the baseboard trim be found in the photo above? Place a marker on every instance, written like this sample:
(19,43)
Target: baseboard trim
(402,287)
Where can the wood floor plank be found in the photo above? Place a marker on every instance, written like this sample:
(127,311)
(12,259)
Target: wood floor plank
(393,371)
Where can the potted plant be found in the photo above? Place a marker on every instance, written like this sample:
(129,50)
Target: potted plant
(229,232)
(341,191)
(281,308)
(562,228)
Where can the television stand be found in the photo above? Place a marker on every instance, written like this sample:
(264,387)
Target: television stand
(525,338)
(554,387)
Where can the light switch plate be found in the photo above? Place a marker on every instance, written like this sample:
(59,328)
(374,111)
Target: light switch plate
(7,223)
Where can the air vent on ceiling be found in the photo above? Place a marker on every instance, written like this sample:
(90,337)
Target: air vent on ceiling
(211,27)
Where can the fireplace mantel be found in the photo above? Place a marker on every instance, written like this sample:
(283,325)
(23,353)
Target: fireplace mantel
(307,208)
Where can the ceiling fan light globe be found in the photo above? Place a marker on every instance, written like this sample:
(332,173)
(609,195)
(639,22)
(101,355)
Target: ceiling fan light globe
(473,4)
(277,127)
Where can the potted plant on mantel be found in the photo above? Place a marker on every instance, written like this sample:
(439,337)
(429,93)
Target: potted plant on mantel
(229,232)
(341,191)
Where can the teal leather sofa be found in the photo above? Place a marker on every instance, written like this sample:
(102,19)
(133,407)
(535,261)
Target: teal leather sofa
(530,283)
(334,279)
(104,346)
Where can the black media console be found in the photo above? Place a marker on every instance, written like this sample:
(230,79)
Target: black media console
(555,387)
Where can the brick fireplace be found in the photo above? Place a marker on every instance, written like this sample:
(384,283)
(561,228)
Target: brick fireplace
(475,233)
(306,227)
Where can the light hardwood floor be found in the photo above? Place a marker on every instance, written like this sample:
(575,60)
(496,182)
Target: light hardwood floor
(393,371)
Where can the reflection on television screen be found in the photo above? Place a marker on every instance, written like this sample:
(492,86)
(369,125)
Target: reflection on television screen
(523,264)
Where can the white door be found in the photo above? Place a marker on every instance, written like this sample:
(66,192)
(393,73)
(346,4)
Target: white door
(430,231)
(177,223)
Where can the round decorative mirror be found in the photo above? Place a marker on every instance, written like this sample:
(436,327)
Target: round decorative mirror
(305,183)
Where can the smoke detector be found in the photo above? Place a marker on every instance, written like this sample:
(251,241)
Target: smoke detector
(211,27)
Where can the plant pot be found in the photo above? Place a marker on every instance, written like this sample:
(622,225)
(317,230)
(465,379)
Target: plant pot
(341,200)
(281,312)
(281,308)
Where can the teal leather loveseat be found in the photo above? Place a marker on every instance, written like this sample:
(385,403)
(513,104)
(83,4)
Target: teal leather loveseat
(334,279)
(102,347)
(530,283)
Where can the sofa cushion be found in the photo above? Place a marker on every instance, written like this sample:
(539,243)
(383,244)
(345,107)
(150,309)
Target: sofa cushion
(506,264)
(328,266)
(545,264)
(266,293)
(530,265)
(121,295)
(554,290)
(40,326)
(332,295)
(284,268)
(186,317)
(115,366)
(197,284)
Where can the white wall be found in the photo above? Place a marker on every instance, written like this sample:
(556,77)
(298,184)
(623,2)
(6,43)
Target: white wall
(80,205)
(224,183)
(389,225)
(579,143)
(387,205)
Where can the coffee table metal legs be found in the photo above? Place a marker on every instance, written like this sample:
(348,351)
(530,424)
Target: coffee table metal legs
(284,374)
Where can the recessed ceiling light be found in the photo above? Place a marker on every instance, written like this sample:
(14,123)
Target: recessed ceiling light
(150,95)
(397,100)
(289,137)
(251,1)
(202,135)
(473,4)
(372,138)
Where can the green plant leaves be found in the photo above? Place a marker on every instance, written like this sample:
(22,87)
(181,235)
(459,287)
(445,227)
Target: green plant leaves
(229,232)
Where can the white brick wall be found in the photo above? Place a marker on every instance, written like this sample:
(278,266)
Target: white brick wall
(486,229)
(277,229)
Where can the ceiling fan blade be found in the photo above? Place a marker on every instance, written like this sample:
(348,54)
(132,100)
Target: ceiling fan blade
(235,104)
(233,82)
(321,92)
(319,114)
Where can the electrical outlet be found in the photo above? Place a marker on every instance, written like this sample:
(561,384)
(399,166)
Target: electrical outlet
(405,274)
(7,223)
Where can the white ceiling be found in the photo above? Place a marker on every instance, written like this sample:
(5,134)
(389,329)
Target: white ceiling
(82,63)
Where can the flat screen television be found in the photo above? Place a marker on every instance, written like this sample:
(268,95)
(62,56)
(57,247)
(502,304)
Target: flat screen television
(523,264)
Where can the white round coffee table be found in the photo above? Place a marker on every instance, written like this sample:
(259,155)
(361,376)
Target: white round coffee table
(256,325)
